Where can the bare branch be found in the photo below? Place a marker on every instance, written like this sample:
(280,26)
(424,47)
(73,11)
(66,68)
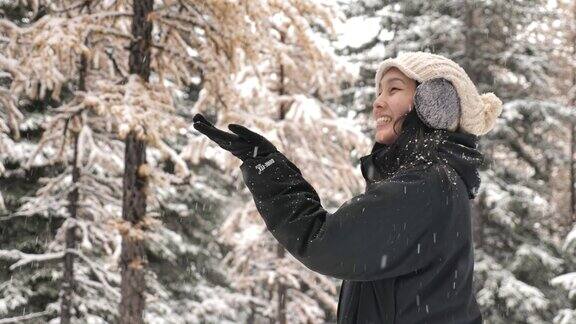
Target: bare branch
(96,270)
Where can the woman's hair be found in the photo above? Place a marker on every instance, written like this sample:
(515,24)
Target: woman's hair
(403,117)
(414,128)
(416,142)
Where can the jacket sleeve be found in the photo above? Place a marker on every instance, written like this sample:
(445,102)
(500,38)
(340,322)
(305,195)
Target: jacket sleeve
(394,228)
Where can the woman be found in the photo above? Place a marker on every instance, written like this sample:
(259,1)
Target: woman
(403,248)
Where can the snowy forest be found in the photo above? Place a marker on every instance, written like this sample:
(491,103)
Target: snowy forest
(114,209)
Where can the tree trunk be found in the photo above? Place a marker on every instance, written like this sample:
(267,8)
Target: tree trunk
(470,20)
(572,176)
(281,292)
(133,258)
(281,289)
(477,223)
(572,131)
(252,316)
(68,283)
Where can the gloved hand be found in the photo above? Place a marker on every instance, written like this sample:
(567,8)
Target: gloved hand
(243,144)
(437,104)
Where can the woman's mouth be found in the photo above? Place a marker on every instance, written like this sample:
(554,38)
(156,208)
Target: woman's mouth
(384,120)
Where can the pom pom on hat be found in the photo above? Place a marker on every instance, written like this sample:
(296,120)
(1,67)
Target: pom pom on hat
(492,107)
(478,112)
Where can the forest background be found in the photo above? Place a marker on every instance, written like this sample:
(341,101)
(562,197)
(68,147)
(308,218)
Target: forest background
(114,209)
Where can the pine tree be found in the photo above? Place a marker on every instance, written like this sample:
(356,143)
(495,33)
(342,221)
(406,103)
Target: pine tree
(102,102)
(82,194)
(520,251)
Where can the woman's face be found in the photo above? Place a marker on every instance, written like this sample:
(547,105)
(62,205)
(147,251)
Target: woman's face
(394,101)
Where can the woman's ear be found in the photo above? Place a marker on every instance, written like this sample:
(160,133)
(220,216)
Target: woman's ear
(437,104)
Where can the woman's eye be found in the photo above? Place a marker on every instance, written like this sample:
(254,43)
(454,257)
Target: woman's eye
(390,91)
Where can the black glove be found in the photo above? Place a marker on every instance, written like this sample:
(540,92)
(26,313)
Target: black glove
(244,144)
(437,104)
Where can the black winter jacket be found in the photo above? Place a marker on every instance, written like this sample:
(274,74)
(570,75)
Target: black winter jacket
(403,248)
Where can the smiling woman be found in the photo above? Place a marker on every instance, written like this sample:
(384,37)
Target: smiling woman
(404,247)
(394,101)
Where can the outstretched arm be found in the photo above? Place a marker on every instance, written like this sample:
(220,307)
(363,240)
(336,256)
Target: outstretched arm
(392,229)
(397,226)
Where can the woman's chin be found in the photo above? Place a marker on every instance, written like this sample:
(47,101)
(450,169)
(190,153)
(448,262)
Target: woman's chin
(384,136)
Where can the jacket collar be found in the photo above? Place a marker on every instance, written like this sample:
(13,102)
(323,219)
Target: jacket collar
(459,150)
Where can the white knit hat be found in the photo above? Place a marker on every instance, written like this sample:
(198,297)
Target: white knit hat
(478,112)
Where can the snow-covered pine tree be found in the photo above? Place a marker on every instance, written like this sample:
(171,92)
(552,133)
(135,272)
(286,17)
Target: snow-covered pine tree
(12,118)
(562,34)
(10,114)
(51,37)
(210,46)
(18,141)
(82,194)
(521,234)
(518,225)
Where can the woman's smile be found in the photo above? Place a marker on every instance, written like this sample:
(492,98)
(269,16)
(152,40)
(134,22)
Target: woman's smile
(383,121)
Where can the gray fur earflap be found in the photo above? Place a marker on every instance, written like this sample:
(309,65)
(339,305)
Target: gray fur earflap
(437,104)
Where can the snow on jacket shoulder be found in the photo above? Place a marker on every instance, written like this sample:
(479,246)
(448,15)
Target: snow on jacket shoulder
(399,225)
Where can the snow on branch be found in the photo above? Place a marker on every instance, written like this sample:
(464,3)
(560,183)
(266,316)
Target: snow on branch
(47,49)
(23,259)
(145,108)
(567,281)
(100,273)
(20,319)
(8,100)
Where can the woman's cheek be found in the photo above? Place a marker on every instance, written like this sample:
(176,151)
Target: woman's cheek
(403,106)
(397,108)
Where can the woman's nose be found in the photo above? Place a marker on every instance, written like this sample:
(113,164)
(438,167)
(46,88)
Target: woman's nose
(378,103)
